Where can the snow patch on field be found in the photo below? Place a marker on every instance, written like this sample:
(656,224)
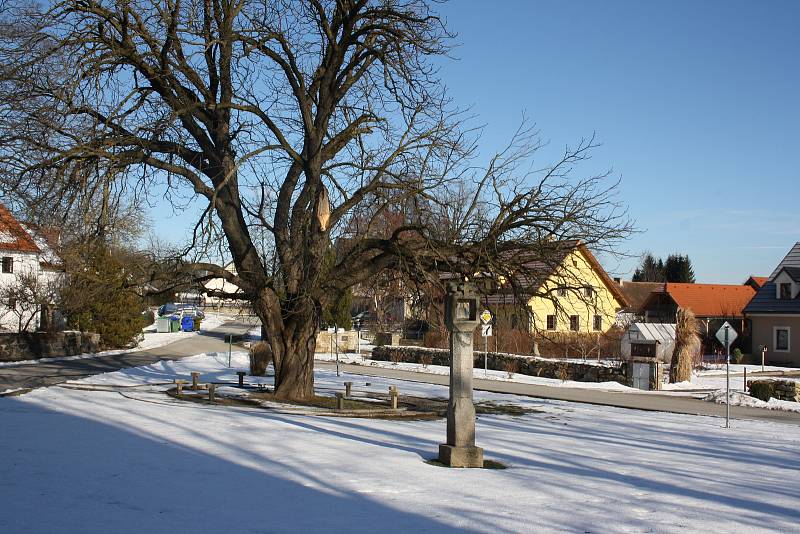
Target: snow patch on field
(741,399)
(490,374)
(135,460)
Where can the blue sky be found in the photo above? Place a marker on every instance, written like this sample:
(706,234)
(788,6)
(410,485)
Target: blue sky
(697,105)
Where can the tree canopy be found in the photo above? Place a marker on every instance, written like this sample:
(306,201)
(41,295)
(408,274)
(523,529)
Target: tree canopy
(298,124)
(677,268)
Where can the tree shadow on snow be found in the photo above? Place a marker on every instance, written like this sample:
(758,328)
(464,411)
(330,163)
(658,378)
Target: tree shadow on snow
(66,473)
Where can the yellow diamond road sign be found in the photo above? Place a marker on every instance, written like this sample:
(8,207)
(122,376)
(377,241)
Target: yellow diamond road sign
(486,316)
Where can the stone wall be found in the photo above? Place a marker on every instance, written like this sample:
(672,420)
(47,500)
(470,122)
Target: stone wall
(579,371)
(765,389)
(347,341)
(35,345)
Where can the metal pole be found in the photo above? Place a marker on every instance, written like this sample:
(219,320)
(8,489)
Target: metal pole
(763,352)
(230,348)
(485,355)
(727,381)
(336,333)
(358,339)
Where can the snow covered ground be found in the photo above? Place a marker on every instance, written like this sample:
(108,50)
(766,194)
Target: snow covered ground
(477,373)
(134,460)
(150,340)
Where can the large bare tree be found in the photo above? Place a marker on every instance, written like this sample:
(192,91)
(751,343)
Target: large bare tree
(289,120)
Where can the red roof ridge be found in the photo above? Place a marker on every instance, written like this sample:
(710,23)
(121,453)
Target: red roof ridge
(13,236)
(711,300)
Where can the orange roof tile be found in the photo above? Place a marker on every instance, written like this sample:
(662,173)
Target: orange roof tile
(13,236)
(711,300)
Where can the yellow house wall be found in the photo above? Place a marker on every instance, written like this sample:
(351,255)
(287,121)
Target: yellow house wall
(575,273)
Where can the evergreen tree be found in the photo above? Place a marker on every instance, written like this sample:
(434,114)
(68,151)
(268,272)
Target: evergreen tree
(650,270)
(338,313)
(678,268)
(100,296)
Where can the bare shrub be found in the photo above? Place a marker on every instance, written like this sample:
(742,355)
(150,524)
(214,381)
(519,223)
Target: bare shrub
(426,360)
(562,372)
(396,356)
(511,366)
(436,339)
(260,356)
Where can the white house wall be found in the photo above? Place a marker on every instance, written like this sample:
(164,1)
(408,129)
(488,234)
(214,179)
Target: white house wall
(23,263)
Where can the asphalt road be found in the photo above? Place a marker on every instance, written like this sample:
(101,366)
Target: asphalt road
(638,401)
(47,374)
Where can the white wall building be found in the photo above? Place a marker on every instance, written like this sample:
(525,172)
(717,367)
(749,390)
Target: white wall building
(21,253)
(215,286)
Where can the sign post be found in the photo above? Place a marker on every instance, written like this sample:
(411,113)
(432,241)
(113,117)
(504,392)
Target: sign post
(727,335)
(336,333)
(486,332)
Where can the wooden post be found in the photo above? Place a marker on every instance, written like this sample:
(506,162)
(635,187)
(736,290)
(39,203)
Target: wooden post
(241,378)
(745,379)
(348,389)
(393,395)
(211,390)
(179,387)
(339,401)
(195,380)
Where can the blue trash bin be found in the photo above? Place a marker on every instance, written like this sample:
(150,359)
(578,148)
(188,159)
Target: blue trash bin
(187,324)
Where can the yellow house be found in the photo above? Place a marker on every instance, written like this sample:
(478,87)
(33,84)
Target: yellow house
(571,294)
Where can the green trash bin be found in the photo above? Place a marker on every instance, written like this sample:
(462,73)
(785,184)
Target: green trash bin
(174,324)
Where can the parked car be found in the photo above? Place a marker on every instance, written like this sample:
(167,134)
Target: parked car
(180,308)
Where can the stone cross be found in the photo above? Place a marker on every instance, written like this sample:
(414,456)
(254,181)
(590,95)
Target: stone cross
(461,318)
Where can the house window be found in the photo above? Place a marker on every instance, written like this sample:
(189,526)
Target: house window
(574,323)
(551,322)
(782,339)
(562,292)
(588,291)
(598,322)
(8,264)
(785,291)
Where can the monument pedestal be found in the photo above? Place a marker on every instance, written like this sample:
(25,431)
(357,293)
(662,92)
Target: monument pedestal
(453,456)
(461,318)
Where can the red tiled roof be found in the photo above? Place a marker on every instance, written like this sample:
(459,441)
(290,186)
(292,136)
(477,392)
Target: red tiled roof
(711,300)
(13,236)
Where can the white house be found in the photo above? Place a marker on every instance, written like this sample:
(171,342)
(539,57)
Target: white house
(21,252)
(217,286)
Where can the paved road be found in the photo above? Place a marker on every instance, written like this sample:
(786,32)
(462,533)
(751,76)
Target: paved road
(638,401)
(47,374)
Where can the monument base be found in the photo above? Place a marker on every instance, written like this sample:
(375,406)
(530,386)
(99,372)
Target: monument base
(453,456)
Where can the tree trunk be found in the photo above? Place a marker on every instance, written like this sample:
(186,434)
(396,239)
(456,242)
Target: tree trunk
(293,342)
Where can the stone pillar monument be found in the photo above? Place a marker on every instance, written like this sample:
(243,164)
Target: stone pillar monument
(461,318)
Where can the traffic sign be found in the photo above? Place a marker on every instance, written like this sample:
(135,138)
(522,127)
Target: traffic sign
(732,335)
(486,330)
(486,317)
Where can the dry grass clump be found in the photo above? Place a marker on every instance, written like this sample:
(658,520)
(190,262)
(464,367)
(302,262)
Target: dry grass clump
(687,345)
